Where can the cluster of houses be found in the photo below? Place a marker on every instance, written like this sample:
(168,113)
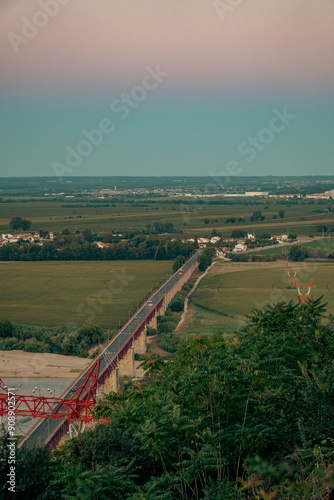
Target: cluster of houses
(100,244)
(5,239)
(327,195)
(240,243)
(240,246)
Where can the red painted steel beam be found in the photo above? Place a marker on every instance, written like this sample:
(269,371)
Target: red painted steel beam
(78,407)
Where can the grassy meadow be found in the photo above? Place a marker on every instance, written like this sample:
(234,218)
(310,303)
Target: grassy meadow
(327,243)
(230,291)
(57,293)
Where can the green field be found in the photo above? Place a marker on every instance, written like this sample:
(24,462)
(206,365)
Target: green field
(194,217)
(223,299)
(327,243)
(58,293)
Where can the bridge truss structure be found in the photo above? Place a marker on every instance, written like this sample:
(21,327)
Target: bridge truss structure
(77,410)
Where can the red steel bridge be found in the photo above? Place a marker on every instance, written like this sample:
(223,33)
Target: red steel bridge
(73,409)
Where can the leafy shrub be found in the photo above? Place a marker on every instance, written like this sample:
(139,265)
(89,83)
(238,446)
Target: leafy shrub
(167,342)
(167,326)
(6,329)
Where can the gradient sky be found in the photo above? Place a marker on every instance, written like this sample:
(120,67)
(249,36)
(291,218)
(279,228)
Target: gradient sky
(227,70)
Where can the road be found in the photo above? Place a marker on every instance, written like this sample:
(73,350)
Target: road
(47,426)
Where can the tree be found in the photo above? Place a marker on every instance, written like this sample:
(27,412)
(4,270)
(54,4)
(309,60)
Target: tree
(205,259)
(6,329)
(88,235)
(281,213)
(16,223)
(178,262)
(264,236)
(238,233)
(19,223)
(250,416)
(214,233)
(298,253)
(92,334)
(44,233)
(26,224)
(257,215)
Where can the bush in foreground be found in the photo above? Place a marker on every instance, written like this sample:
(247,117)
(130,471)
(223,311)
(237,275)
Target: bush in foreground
(251,417)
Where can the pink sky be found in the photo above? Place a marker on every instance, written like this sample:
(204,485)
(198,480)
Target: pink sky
(106,44)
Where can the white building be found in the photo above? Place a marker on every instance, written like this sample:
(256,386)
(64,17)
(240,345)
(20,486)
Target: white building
(240,247)
(215,239)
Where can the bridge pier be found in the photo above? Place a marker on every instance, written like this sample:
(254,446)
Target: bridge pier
(127,364)
(161,311)
(112,382)
(141,342)
(153,323)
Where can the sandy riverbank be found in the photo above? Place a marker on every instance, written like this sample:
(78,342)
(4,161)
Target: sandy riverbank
(28,364)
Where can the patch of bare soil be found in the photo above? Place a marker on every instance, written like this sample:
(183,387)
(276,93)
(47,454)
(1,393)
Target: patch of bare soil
(27,364)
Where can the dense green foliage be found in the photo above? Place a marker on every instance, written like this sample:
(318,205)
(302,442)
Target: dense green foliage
(19,223)
(76,247)
(61,340)
(168,322)
(298,253)
(248,418)
(179,261)
(6,329)
(205,259)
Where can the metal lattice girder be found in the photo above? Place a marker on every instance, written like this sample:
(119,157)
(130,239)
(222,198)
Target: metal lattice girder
(78,407)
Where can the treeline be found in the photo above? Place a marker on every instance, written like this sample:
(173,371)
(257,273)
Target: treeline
(136,249)
(169,321)
(58,340)
(205,259)
(244,257)
(250,417)
(299,253)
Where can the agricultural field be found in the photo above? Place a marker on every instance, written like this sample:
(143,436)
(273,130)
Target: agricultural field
(327,243)
(230,291)
(189,216)
(62,293)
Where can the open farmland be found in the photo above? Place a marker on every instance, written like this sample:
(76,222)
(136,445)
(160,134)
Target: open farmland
(190,216)
(231,290)
(57,293)
(327,243)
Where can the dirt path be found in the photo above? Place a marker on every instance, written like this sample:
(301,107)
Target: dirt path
(185,309)
(228,267)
